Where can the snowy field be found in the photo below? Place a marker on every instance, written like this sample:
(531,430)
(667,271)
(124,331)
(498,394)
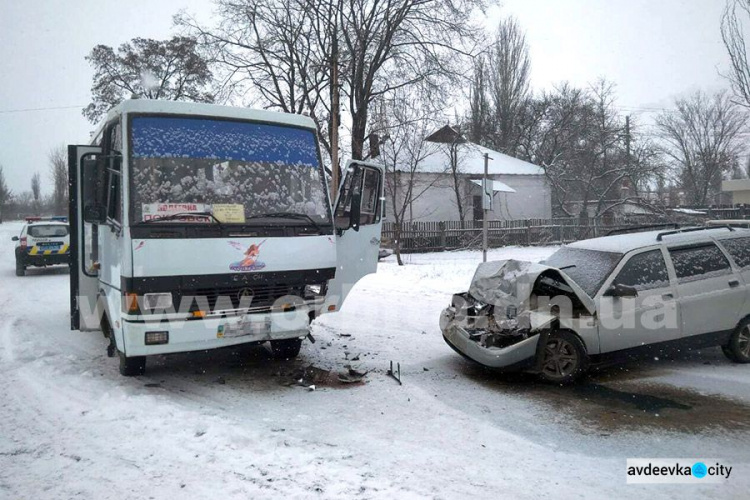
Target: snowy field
(232,423)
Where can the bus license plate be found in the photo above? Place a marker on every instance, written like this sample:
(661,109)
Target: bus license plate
(245,327)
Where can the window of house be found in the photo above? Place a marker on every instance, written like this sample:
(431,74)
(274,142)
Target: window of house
(645,271)
(699,262)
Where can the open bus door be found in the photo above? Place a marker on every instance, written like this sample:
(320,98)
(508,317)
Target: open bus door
(83,178)
(358,215)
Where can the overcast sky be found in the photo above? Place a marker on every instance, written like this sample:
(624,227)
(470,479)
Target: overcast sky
(653,50)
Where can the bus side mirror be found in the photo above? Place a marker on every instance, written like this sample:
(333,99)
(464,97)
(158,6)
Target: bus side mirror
(94,214)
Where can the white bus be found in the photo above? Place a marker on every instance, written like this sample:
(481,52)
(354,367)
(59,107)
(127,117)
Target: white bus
(197,226)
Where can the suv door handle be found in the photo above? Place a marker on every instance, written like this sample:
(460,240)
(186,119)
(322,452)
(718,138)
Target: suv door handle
(734,283)
(667,296)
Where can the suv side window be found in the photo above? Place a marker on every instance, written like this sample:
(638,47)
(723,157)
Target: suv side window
(739,249)
(699,262)
(645,271)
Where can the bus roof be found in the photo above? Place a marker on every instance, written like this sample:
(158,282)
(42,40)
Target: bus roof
(212,110)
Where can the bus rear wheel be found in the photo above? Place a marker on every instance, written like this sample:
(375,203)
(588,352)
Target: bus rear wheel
(285,349)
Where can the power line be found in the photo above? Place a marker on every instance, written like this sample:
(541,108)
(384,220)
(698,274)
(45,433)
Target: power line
(4,111)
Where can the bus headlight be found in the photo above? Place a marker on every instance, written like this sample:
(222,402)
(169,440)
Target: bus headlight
(154,301)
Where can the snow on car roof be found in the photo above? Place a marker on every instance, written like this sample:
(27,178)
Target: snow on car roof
(213,110)
(623,243)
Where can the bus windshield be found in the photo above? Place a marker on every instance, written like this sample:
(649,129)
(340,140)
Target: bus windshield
(233,170)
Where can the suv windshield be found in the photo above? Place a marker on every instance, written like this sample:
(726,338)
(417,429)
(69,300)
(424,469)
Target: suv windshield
(588,268)
(233,170)
(56,231)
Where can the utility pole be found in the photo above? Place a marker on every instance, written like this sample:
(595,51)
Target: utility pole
(627,158)
(627,143)
(335,104)
(486,205)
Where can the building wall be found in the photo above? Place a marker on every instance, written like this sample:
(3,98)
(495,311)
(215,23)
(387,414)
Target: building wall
(435,198)
(741,197)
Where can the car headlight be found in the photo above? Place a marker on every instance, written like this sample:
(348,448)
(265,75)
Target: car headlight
(155,301)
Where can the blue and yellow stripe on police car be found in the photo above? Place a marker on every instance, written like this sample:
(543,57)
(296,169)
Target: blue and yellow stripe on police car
(38,251)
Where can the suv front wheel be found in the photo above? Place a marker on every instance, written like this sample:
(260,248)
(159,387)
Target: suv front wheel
(565,358)
(738,348)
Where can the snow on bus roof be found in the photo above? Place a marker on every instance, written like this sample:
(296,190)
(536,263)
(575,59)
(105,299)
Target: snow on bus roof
(213,110)
(623,243)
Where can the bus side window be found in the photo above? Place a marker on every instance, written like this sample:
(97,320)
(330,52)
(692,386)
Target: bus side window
(113,195)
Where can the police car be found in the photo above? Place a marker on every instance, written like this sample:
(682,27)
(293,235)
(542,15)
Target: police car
(42,242)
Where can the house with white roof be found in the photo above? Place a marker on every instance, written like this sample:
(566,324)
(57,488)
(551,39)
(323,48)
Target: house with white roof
(451,172)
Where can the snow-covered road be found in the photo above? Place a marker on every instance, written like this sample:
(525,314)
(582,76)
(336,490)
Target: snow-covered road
(227,424)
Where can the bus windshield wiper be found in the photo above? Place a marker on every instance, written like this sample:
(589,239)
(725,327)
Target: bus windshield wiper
(290,215)
(182,214)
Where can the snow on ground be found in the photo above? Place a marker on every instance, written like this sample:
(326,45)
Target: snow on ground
(227,424)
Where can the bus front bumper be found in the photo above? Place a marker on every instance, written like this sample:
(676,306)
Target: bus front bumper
(213,332)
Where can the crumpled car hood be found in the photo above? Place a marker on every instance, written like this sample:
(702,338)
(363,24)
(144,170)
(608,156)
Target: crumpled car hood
(510,283)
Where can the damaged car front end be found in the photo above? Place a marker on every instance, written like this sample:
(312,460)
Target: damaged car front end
(505,319)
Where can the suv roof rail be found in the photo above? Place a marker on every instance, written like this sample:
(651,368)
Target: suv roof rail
(690,230)
(626,230)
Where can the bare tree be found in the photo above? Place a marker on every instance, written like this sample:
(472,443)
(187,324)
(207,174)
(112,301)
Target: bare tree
(453,150)
(36,191)
(500,89)
(737,13)
(701,140)
(403,123)
(578,137)
(5,192)
(286,50)
(58,172)
(154,69)
(276,51)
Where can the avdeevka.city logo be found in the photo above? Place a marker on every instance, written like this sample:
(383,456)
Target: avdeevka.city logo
(676,470)
(699,470)
(250,262)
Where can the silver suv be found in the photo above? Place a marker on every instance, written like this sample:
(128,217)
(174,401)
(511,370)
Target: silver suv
(605,299)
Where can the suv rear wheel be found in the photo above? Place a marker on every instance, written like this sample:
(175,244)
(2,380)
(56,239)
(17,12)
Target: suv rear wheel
(565,358)
(20,268)
(738,348)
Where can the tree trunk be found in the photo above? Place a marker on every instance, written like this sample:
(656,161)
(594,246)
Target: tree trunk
(359,127)
(397,242)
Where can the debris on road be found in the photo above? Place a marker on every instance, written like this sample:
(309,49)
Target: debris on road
(312,376)
(397,374)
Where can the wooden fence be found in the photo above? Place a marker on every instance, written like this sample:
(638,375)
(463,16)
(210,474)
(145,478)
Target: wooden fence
(453,235)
